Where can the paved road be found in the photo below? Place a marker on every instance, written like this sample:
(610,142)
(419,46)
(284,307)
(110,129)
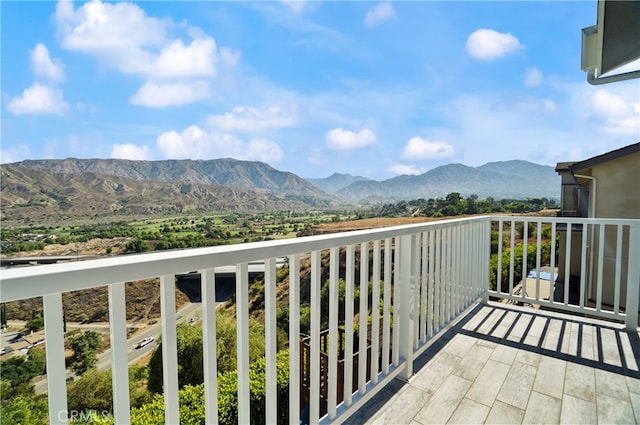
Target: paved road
(155,330)
(223,292)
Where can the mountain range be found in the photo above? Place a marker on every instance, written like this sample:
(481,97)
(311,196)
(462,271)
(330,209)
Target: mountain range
(59,188)
(510,179)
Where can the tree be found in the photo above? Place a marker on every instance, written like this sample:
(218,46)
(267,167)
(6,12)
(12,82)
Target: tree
(93,390)
(25,408)
(85,349)
(191,398)
(3,315)
(189,341)
(136,245)
(19,370)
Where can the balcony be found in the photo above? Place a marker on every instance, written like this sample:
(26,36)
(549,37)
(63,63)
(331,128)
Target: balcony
(456,337)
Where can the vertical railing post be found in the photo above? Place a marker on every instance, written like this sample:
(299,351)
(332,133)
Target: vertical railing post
(242,320)
(271,341)
(316,284)
(169,349)
(633,278)
(334,289)
(406,306)
(56,372)
(294,339)
(485,259)
(209,344)
(119,358)
(348,324)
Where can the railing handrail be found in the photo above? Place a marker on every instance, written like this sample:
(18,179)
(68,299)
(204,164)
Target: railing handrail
(572,220)
(26,282)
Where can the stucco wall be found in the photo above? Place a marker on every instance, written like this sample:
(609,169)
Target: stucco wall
(618,187)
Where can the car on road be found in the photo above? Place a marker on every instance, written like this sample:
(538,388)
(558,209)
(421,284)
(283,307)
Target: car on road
(144,341)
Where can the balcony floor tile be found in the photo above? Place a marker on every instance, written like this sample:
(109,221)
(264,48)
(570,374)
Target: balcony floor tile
(508,364)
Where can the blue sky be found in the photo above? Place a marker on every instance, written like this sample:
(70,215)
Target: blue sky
(375,89)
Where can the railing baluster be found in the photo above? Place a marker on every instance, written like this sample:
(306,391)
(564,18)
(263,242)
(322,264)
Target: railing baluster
(169,348)
(314,401)
(499,269)
(406,315)
(457,270)
(294,338)
(439,294)
(348,324)
(601,243)
(583,264)
(209,345)
(633,278)
(617,279)
(538,257)
(386,306)
(271,343)
(415,279)
(511,255)
(567,265)
(431,288)
(552,253)
(242,333)
(396,303)
(424,285)
(56,371)
(364,314)
(448,268)
(484,240)
(334,289)
(119,358)
(525,246)
(463,266)
(375,313)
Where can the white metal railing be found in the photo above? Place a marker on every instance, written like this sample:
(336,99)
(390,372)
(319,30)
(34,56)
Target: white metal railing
(423,276)
(593,265)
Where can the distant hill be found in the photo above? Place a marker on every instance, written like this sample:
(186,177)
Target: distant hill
(52,189)
(251,175)
(41,197)
(336,182)
(508,179)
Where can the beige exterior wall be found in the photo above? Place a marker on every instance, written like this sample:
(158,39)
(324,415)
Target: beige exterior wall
(618,187)
(617,195)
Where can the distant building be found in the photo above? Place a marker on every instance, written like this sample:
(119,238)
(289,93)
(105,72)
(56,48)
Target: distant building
(605,186)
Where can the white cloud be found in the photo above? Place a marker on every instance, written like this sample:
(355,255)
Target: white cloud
(487,44)
(419,148)
(536,105)
(114,33)
(340,139)
(196,143)
(14,154)
(122,37)
(401,169)
(533,77)
(43,66)
(228,57)
(249,119)
(614,113)
(296,6)
(605,103)
(159,95)
(38,99)
(194,60)
(381,12)
(130,151)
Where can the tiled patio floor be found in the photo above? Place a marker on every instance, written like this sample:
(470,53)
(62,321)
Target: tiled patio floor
(508,365)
